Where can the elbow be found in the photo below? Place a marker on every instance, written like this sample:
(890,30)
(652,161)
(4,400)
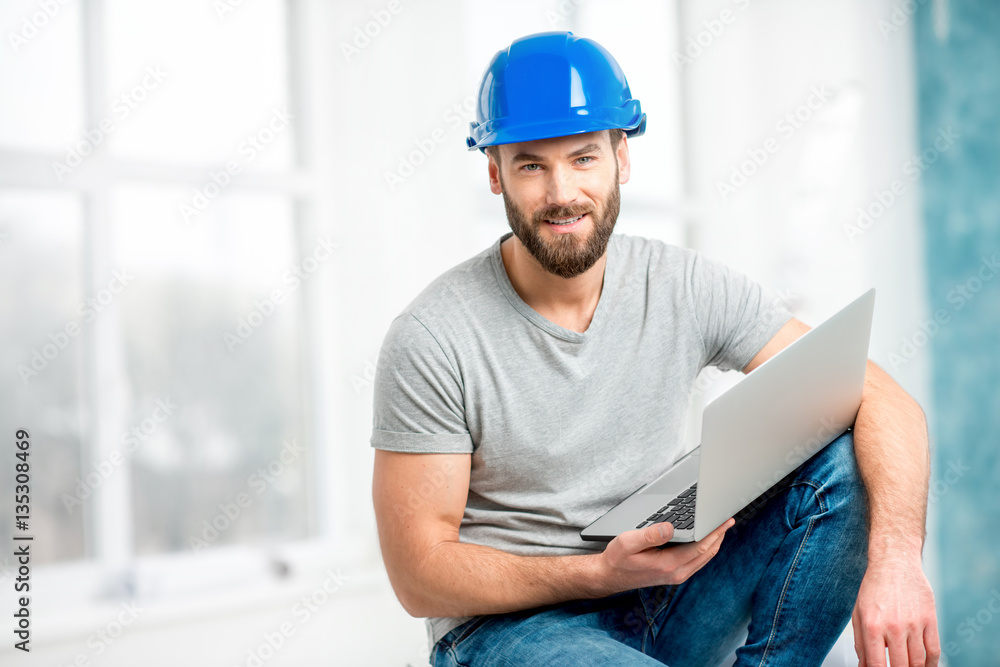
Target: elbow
(411,604)
(412,601)
(419,602)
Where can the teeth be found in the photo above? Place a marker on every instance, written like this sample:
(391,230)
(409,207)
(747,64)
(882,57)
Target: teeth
(567,222)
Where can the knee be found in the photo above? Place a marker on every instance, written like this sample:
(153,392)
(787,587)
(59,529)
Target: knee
(837,476)
(835,464)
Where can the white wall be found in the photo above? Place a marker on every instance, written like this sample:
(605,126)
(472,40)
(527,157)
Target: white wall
(785,227)
(786,224)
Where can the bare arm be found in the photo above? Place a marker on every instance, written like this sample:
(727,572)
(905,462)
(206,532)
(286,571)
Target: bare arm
(895,606)
(891,446)
(890,443)
(419,502)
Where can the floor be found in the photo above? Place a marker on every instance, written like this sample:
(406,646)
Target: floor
(360,625)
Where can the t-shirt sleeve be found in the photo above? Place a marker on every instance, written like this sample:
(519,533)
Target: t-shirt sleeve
(736,316)
(419,403)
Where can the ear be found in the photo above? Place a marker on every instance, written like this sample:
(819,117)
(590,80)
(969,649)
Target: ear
(494,170)
(624,165)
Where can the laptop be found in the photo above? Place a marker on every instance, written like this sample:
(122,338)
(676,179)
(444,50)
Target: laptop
(756,434)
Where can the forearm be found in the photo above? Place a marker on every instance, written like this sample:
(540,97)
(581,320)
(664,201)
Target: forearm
(461,579)
(890,442)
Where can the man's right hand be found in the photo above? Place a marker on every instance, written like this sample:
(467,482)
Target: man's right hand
(632,560)
(419,501)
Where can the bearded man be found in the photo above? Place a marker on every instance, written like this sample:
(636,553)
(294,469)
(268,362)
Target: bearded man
(524,392)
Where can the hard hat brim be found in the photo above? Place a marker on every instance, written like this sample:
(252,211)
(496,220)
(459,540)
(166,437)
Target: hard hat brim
(495,133)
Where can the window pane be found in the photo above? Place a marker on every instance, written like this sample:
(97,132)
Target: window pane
(211,328)
(200,87)
(41,347)
(41,77)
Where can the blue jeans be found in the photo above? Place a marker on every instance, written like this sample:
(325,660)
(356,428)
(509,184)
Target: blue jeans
(786,576)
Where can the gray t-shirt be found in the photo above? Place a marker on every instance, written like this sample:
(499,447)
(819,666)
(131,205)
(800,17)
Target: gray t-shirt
(561,425)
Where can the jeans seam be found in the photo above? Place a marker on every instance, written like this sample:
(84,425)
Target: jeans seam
(791,571)
(471,630)
(454,656)
(474,625)
(651,620)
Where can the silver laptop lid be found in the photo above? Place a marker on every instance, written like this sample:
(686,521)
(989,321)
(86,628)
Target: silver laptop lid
(759,430)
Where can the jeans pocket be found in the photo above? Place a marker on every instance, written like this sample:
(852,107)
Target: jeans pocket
(446,651)
(463,632)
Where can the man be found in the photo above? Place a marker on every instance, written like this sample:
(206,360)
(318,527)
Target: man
(529,389)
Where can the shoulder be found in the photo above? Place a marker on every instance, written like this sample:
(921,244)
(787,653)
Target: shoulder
(449,303)
(455,289)
(653,255)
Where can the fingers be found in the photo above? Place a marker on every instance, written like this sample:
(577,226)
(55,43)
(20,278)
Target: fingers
(915,649)
(726,525)
(897,653)
(684,572)
(873,645)
(859,645)
(633,554)
(634,541)
(661,533)
(933,644)
(694,556)
(702,546)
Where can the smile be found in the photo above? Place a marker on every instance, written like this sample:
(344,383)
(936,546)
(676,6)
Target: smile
(564,221)
(564,225)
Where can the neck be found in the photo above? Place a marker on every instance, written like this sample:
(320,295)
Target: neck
(569,302)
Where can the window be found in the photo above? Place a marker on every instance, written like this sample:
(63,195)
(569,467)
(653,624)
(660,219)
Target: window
(160,259)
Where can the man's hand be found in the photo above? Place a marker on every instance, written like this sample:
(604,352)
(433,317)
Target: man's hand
(632,560)
(895,610)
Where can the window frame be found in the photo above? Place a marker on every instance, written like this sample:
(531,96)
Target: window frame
(110,569)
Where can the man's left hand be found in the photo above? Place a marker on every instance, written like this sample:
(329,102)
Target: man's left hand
(895,610)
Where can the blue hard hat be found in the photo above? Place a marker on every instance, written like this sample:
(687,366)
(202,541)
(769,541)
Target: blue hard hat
(551,84)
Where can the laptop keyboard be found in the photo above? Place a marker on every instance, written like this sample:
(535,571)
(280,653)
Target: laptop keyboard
(679,511)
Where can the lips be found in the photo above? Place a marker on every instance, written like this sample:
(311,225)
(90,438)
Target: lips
(566,224)
(564,221)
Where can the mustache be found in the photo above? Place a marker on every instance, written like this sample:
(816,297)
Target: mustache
(557,212)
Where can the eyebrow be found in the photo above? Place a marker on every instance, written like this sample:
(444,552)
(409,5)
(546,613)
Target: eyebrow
(531,157)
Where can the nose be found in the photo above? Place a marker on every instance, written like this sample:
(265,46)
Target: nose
(561,187)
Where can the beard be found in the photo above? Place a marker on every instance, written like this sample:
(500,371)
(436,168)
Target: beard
(565,255)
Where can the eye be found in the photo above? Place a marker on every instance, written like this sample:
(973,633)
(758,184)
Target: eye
(531,167)
(585,159)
